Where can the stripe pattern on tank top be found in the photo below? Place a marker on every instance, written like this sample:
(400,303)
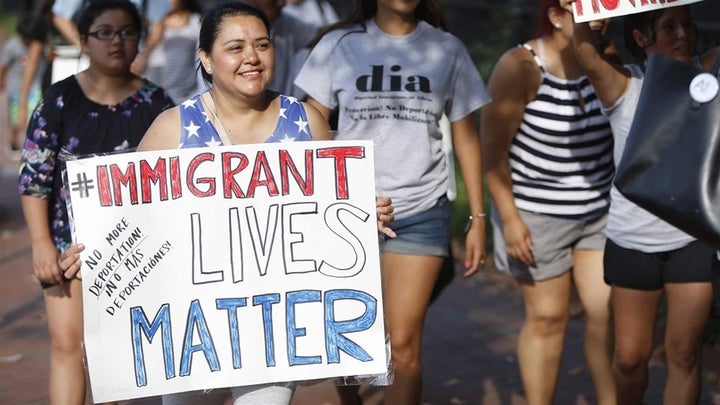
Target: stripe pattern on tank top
(561,157)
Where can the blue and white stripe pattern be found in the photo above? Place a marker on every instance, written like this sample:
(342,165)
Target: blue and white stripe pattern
(562,156)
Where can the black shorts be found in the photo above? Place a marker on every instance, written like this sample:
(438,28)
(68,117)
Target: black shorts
(651,271)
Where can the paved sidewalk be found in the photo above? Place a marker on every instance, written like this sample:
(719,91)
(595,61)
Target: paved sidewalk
(469,346)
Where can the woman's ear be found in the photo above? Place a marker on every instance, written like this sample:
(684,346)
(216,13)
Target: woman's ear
(641,39)
(83,45)
(205,60)
(555,16)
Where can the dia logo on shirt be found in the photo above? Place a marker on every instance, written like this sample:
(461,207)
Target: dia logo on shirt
(377,81)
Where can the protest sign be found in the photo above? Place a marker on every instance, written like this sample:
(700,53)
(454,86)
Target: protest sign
(589,10)
(228,266)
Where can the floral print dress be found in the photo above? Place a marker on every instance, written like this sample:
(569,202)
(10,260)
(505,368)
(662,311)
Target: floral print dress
(66,122)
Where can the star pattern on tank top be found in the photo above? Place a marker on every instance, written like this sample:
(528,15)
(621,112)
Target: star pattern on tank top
(189,103)
(213,142)
(302,125)
(197,128)
(287,138)
(192,130)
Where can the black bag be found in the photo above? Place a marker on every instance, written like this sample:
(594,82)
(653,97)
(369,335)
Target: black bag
(671,162)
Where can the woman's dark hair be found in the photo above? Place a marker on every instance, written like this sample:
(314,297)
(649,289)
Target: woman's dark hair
(96,7)
(645,23)
(213,19)
(31,28)
(429,11)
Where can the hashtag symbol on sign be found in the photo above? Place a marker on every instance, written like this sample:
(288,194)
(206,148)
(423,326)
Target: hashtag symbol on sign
(83,185)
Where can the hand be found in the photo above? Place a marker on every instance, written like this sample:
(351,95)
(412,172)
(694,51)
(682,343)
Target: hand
(384,211)
(139,64)
(567,5)
(70,262)
(45,262)
(475,247)
(518,241)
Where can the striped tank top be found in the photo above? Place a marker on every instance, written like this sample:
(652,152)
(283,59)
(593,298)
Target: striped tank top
(562,155)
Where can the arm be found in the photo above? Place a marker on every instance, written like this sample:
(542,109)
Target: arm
(325,111)
(3,75)
(45,255)
(154,37)
(37,174)
(35,53)
(319,126)
(709,58)
(164,132)
(67,29)
(609,81)
(466,143)
(512,85)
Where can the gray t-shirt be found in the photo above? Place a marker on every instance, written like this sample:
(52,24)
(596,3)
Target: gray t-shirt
(15,56)
(630,226)
(393,90)
(291,37)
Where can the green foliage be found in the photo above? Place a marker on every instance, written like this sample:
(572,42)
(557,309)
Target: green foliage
(460,211)
(7,23)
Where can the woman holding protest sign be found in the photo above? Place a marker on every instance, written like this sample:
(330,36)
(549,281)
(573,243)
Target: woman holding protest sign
(237,58)
(391,71)
(547,152)
(102,109)
(645,257)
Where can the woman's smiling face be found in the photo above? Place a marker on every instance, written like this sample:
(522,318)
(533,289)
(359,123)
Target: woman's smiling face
(675,35)
(242,58)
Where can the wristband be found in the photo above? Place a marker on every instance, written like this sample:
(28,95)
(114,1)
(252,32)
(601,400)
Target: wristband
(470,220)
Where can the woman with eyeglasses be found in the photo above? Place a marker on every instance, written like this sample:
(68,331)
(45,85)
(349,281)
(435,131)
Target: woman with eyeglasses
(104,108)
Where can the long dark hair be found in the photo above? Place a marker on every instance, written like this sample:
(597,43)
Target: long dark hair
(429,11)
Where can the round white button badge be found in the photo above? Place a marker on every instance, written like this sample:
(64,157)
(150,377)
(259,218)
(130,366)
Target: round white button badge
(704,87)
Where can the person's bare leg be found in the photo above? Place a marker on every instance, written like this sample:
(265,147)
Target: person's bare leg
(540,343)
(595,297)
(687,315)
(634,313)
(63,305)
(408,281)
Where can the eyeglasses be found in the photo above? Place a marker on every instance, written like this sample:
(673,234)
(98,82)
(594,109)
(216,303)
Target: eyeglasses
(126,34)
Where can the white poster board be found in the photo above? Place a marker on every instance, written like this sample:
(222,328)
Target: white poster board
(220,267)
(589,10)
(67,61)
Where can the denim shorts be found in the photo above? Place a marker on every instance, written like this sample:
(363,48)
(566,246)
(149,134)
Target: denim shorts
(427,233)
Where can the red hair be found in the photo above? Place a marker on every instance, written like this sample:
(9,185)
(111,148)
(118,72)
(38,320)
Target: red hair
(544,26)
